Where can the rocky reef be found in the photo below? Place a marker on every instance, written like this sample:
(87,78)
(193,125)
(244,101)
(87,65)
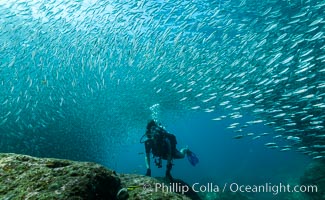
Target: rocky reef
(143,187)
(26,177)
(315,175)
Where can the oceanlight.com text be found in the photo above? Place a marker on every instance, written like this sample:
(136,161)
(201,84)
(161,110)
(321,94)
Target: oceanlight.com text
(272,188)
(230,187)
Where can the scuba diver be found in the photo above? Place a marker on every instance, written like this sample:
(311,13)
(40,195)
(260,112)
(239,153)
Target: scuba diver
(163,146)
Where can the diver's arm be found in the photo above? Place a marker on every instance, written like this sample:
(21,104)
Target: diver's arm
(147,160)
(147,147)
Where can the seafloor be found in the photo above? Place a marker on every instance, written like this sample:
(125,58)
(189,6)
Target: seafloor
(26,177)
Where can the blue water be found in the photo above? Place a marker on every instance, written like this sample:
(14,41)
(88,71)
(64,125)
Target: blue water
(74,86)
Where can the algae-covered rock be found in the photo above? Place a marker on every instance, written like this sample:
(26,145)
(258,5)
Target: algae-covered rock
(315,176)
(25,177)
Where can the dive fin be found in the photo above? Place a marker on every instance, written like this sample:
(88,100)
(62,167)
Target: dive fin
(192,158)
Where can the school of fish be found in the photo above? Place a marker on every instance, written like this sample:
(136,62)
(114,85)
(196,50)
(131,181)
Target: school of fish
(94,68)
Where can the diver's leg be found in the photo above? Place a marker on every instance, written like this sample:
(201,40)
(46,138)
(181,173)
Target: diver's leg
(184,151)
(168,169)
(169,162)
(181,154)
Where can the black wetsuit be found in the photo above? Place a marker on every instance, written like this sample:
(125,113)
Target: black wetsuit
(161,144)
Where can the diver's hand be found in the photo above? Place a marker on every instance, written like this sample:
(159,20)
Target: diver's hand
(148,172)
